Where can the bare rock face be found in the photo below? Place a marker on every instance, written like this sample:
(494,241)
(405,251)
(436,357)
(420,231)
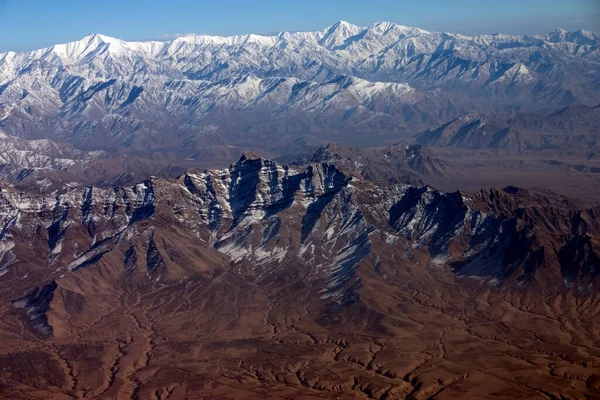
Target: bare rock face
(305,281)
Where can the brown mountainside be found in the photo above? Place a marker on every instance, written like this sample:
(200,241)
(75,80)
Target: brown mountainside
(300,282)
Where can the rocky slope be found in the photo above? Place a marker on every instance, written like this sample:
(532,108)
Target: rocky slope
(305,280)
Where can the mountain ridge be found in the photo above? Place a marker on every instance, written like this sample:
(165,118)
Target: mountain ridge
(383,26)
(385,79)
(573,128)
(318,269)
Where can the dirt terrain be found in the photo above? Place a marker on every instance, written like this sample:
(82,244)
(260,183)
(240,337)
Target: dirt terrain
(224,338)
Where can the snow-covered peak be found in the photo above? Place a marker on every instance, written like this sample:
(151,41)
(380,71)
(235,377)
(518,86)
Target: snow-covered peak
(382,27)
(90,46)
(386,28)
(338,33)
(343,26)
(227,40)
(74,51)
(99,38)
(582,37)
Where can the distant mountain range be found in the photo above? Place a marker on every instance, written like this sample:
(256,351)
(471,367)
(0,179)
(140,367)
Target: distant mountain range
(573,128)
(344,83)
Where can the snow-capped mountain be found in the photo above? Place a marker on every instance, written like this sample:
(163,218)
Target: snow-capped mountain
(101,92)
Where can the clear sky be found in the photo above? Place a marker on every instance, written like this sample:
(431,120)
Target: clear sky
(30,24)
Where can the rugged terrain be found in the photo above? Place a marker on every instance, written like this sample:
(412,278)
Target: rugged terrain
(488,110)
(134,264)
(555,150)
(348,84)
(304,281)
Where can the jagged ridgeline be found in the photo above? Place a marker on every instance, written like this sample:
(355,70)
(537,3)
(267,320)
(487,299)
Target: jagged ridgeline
(303,260)
(350,82)
(261,216)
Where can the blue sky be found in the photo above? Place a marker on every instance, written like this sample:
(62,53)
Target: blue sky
(29,24)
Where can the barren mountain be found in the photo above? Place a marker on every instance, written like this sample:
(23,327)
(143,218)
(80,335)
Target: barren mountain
(573,128)
(398,163)
(298,282)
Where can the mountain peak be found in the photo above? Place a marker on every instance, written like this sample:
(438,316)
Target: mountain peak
(343,24)
(343,28)
(384,27)
(581,36)
(74,51)
(338,33)
(99,38)
(325,153)
(249,155)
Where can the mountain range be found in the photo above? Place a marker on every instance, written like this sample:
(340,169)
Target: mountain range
(305,281)
(571,129)
(345,83)
(372,212)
